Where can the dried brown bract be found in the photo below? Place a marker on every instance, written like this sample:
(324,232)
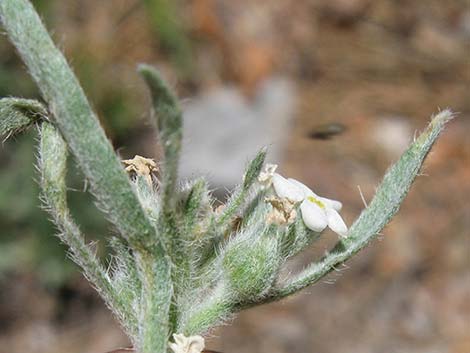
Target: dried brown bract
(283,211)
(141,166)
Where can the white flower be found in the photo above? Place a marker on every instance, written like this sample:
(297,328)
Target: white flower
(317,212)
(183,344)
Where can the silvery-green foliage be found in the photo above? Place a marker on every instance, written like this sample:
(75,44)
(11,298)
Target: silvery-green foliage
(181,264)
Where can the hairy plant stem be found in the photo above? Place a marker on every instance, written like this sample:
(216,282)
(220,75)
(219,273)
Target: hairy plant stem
(82,131)
(52,165)
(155,305)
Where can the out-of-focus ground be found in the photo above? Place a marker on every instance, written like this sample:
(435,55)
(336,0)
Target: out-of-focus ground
(378,68)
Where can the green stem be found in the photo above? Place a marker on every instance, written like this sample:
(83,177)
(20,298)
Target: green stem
(52,165)
(154,313)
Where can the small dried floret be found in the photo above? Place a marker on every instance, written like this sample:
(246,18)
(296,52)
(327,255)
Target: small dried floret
(283,211)
(183,344)
(141,166)
(266,176)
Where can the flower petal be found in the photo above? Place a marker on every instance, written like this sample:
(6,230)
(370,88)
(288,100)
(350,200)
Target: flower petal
(305,189)
(285,189)
(336,205)
(180,339)
(196,344)
(270,168)
(309,192)
(336,223)
(313,216)
(183,344)
(174,347)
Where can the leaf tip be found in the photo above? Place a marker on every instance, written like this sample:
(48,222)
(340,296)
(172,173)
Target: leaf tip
(443,117)
(435,127)
(143,68)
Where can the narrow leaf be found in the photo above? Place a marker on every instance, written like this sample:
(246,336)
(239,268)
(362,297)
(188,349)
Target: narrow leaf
(239,196)
(197,203)
(254,169)
(170,127)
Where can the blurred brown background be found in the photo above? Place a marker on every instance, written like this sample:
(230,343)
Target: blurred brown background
(377,69)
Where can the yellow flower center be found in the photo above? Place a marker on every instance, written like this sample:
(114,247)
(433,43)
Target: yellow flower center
(316,201)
